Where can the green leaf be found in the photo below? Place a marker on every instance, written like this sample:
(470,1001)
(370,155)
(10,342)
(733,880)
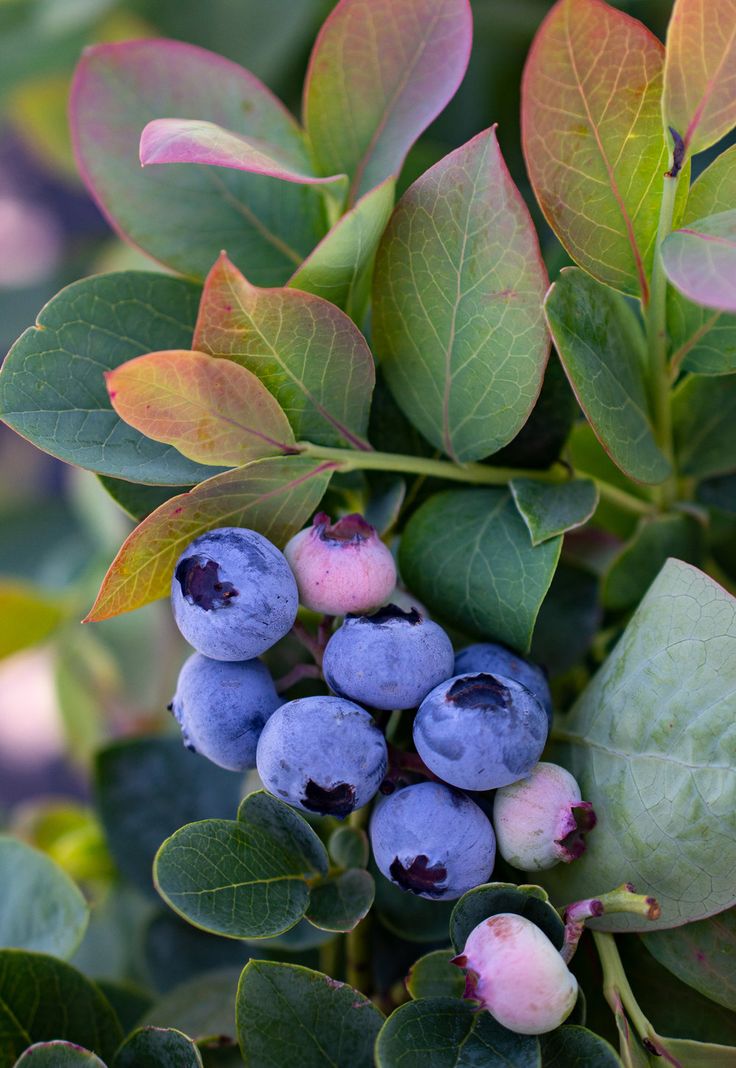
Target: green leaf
(703,413)
(648,742)
(466,554)
(148,787)
(637,565)
(242,879)
(449,1033)
(58,1054)
(540,441)
(273,496)
(600,197)
(568,619)
(699,98)
(204,1005)
(458,291)
(433,976)
(349,847)
(42,998)
(137,500)
(701,954)
(182,214)
(414,919)
(700,1054)
(52,386)
(156,1047)
(702,339)
(307,352)
(576,1047)
(292,1015)
(42,909)
(588,457)
(700,261)
(488,900)
(602,348)
(718,492)
(337,268)
(549,509)
(340,902)
(27,616)
(377,77)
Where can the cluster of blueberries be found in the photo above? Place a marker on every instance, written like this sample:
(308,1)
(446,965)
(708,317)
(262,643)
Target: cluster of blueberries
(481,723)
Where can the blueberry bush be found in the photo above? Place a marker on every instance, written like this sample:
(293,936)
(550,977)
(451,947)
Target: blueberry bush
(457,783)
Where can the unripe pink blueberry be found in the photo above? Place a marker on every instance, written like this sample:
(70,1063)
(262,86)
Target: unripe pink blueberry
(516,973)
(341,567)
(542,820)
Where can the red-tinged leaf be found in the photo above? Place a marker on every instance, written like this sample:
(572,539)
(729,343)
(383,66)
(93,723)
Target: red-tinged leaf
(306,352)
(700,71)
(184,215)
(274,496)
(458,291)
(380,72)
(212,411)
(592,134)
(198,141)
(700,261)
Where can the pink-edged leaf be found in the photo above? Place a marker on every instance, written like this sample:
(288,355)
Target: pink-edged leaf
(307,352)
(700,261)
(198,141)
(184,215)
(213,411)
(592,136)
(699,98)
(339,268)
(458,290)
(274,496)
(380,72)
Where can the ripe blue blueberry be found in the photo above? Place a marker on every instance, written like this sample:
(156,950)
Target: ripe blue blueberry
(516,973)
(542,820)
(481,731)
(432,841)
(496,659)
(322,754)
(233,594)
(222,706)
(390,659)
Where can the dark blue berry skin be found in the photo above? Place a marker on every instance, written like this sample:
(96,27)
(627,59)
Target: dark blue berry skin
(480,731)
(432,841)
(222,707)
(233,594)
(322,754)
(390,659)
(494,659)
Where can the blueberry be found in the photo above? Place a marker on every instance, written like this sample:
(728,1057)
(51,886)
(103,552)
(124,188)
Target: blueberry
(432,841)
(341,567)
(233,594)
(222,706)
(516,973)
(498,660)
(481,731)
(322,754)
(542,819)
(390,659)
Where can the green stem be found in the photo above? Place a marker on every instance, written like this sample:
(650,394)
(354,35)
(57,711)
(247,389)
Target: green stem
(329,957)
(473,473)
(358,957)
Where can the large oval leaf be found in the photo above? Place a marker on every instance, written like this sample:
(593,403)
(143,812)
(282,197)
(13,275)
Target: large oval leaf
(42,908)
(600,197)
(378,75)
(699,98)
(244,878)
(450,1033)
(184,215)
(700,261)
(52,389)
(467,555)
(529,901)
(701,954)
(273,496)
(292,1015)
(58,1054)
(458,293)
(157,1047)
(307,352)
(602,349)
(651,742)
(576,1047)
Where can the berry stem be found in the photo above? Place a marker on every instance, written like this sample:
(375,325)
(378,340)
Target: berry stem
(308,640)
(297,674)
(623,899)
